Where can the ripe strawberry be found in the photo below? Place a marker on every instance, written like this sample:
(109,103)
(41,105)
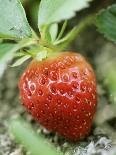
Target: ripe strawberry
(60,93)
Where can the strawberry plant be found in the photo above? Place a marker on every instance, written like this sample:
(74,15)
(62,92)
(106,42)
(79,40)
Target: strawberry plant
(58,87)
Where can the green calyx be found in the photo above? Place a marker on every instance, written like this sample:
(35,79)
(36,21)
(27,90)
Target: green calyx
(40,48)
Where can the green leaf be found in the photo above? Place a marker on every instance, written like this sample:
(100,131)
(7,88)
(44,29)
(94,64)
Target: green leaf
(47,36)
(13,22)
(21,60)
(106,22)
(53,30)
(53,11)
(6,55)
(5,51)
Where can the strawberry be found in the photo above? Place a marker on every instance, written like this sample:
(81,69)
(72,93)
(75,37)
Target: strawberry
(60,93)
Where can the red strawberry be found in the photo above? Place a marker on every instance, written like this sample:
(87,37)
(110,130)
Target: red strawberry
(60,93)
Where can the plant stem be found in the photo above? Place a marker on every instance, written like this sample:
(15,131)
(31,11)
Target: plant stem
(89,20)
(35,143)
(23,43)
(48,45)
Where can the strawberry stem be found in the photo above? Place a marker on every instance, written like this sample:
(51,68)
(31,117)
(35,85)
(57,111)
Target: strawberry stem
(89,20)
(24,43)
(48,45)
